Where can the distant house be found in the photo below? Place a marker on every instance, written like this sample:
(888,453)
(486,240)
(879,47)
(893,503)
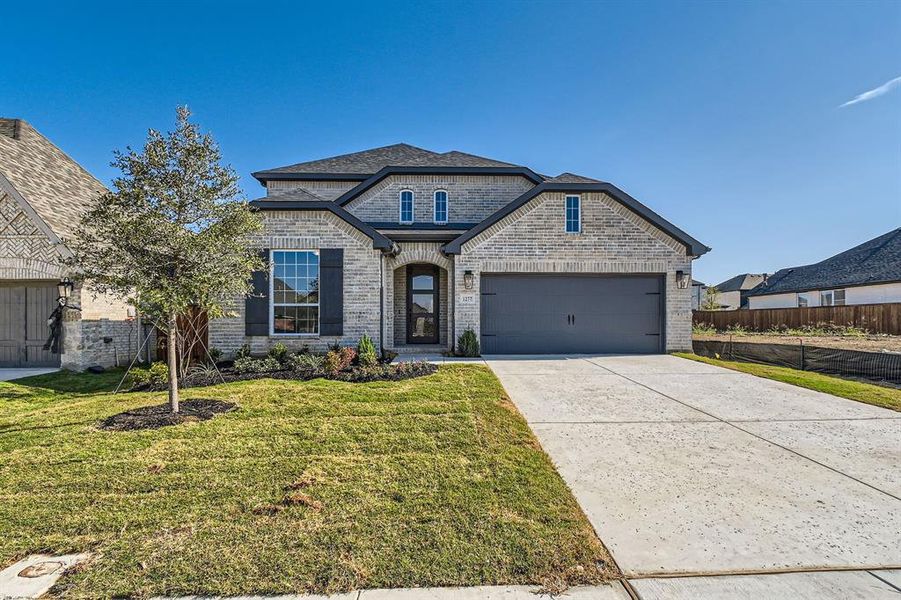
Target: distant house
(866,274)
(732,294)
(698,291)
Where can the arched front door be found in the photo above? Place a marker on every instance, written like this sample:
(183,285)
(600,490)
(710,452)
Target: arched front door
(422,304)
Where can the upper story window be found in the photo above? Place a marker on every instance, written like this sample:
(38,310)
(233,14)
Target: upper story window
(832,298)
(441,206)
(295,292)
(573,214)
(406,206)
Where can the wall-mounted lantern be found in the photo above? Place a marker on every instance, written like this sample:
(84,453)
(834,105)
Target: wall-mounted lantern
(64,291)
(682,280)
(468,280)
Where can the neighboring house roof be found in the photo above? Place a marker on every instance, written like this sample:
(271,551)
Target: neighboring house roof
(741,283)
(700,283)
(54,186)
(693,246)
(358,165)
(873,262)
(379,241)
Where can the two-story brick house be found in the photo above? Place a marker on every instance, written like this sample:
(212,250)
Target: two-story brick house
(413,247)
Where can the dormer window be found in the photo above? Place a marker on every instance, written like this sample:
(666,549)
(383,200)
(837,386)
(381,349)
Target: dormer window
(441,207)
(406,206)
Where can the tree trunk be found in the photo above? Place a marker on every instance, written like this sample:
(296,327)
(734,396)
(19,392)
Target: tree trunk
(172,354)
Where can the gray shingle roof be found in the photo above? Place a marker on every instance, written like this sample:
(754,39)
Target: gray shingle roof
(572,178)
(875,261)
(57,188)
(745,281)
(368,162)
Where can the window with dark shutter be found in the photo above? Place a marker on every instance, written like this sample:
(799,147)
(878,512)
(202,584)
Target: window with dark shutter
(331,291)
(256,306)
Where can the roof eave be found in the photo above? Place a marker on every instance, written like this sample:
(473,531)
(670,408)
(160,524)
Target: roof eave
(831,286)
(379,241)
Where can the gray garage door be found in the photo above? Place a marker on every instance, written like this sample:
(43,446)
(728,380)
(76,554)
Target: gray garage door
(560,314)
(24,310)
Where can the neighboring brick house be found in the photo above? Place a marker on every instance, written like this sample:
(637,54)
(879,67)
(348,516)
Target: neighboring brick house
(43,193)
(413,247)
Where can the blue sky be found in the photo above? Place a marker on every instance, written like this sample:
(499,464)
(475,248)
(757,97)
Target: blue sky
(723,117)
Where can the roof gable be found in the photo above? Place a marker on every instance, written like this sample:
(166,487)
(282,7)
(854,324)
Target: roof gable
(693,246)
(53,185)
(745,281)
(875,261)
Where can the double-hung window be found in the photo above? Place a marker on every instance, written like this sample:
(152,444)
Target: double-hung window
(295,292)
(406,206)
(441,207)
(573,214)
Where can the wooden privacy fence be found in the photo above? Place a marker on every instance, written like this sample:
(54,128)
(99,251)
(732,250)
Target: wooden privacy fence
(876,318)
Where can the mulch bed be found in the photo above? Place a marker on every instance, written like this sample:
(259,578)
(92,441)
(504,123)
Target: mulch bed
(392,372)
(154,417)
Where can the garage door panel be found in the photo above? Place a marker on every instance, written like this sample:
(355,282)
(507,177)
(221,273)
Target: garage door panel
(527,314)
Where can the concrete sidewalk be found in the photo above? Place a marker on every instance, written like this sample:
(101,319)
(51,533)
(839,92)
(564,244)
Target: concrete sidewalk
(8,374)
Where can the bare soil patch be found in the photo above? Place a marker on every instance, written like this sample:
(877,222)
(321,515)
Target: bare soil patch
(870,343)
(154,417)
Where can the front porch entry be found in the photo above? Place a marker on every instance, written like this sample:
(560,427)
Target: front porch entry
(423,302)
(420,308)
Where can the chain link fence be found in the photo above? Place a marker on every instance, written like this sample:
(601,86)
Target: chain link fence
(878,366)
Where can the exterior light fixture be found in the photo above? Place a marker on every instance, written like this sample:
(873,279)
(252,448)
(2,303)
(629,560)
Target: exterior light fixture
(468,280)
(682,280)
(64,291)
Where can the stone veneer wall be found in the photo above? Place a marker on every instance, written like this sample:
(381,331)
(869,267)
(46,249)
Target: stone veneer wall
(362,278)
(101,318)
(396,291)
(470,198)
(532,239)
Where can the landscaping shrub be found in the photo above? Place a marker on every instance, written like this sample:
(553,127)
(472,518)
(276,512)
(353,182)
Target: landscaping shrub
(243,351)
(279,353)
(307,362)
(468,344)
(366,353)
(395,372)
(348,356)
(215,355)
(249,364)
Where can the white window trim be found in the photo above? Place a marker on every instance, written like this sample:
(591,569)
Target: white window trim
(831,295)
(318,305)
(566,198)
(435,207)
(400,207)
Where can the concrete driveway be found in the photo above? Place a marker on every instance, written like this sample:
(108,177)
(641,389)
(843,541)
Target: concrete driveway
(11,374)
(687,468)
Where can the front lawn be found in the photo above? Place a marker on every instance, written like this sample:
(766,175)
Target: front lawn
(313,486)
(869,393)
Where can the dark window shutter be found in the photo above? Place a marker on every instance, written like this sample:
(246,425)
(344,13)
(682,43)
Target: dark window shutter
(256,306)
(331,291)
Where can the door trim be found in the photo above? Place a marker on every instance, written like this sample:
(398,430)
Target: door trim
(412,271)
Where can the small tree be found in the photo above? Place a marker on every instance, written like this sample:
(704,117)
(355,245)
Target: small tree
(711,299)
(171,235)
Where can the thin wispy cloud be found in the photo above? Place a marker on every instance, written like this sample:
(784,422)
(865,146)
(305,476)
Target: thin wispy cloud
(874,93)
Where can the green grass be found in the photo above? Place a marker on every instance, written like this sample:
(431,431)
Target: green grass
(868,393)
(427,482)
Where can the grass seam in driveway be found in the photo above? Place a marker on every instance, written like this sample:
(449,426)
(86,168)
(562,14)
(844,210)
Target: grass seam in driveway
(868,393)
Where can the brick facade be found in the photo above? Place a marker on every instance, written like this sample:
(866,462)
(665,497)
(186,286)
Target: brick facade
(532,239)
(326,190)
(362,282)
(470,198)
